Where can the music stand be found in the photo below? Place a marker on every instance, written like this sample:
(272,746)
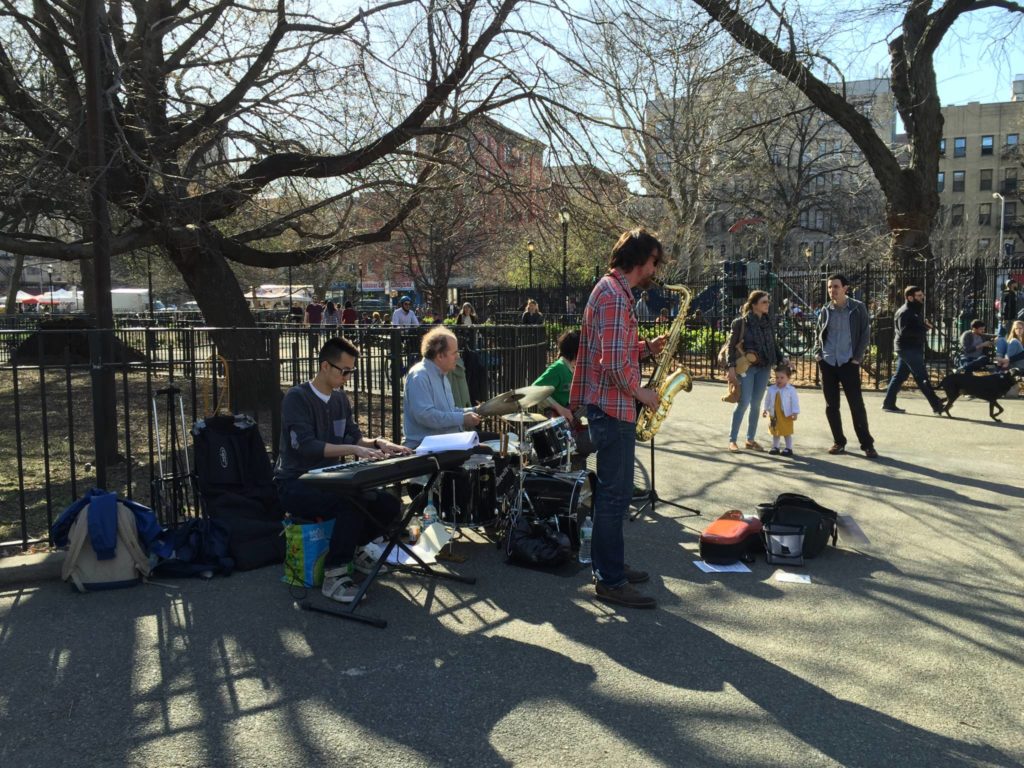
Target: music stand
(651,498)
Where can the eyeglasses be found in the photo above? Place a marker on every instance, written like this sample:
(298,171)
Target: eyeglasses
(342,371)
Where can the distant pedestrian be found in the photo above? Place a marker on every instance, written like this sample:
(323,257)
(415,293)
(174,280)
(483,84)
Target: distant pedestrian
(331,315)
(532,315)
(467,316)
(911,340)
(840,342)
(314,312)
(350,316)
(404,314)
(643,308)
(1009,307)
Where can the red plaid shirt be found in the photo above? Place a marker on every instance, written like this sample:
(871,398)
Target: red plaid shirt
(608,366)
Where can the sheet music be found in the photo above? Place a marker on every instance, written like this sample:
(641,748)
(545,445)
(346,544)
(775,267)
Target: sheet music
(459,441)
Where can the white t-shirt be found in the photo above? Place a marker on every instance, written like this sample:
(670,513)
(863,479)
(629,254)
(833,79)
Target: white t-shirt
(401,317)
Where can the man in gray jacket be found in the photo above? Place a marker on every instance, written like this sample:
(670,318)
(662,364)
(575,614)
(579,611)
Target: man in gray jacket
(318,429)
(842,338)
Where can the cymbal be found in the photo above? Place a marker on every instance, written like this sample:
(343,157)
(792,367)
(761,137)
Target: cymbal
(525,418)
(499,405)
(533,395)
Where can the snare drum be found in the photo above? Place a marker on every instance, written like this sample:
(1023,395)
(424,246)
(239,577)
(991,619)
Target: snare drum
(552,441)
(567,497)
(468,495)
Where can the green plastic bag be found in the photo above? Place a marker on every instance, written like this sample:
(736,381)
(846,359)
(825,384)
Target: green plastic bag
(306,547)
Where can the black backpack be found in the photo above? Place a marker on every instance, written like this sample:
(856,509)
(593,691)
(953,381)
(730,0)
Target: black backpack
(200,549)
(794,509)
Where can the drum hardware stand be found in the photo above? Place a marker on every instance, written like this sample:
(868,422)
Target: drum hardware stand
(651,498)
(456,528)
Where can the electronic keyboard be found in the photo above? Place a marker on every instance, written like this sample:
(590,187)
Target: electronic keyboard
(366,474)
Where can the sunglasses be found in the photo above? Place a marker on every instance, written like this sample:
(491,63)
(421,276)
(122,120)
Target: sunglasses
(342,371)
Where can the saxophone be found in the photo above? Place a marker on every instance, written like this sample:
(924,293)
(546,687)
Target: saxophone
(666,379)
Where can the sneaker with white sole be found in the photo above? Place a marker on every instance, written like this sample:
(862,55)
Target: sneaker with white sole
(367,556)
(339,585)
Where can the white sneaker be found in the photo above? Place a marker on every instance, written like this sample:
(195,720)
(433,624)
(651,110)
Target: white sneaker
(339,586)
(367,556)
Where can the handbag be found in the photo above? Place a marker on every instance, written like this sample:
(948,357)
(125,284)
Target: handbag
(744,359)
(306,546)
(733,395)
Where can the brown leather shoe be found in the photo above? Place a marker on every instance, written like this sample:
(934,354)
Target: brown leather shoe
(625,596)
(753,445)
(871,453)
(633,576)
(836,449)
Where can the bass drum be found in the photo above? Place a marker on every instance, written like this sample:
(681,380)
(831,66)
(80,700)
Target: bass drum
(467,496)
(565,497)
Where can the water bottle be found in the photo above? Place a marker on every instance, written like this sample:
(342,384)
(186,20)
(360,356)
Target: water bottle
(429,514)
(586,534)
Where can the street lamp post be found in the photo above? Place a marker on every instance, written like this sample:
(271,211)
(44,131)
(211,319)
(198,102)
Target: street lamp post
(529,262)
(1000,253)
(289,293)
(49,273)
(811,279)
(149,282)
(563,217)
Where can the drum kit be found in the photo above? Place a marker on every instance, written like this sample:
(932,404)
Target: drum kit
(511,476)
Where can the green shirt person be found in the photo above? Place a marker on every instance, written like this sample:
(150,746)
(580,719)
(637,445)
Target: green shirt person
(559,375)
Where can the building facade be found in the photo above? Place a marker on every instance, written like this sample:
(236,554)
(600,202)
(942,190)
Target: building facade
(978,182)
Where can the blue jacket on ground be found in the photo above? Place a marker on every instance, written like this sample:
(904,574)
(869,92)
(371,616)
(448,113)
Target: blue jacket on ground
(103,524)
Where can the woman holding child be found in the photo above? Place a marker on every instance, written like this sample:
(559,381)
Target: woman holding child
(752,355)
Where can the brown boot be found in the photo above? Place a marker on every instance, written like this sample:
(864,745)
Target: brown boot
(626,595)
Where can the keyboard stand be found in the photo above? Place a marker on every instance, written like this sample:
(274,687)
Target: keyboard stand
(394,541)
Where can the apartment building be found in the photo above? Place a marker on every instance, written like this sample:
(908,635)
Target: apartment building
(979,169)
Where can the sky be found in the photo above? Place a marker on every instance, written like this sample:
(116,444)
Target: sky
(977,60)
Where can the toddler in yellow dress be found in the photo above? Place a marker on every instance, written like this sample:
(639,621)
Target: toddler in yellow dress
(781,406)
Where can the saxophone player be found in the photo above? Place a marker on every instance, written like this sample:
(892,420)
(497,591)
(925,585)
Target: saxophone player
(607,381)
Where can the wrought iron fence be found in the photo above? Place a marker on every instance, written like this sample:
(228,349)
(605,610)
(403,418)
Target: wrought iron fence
(48,377)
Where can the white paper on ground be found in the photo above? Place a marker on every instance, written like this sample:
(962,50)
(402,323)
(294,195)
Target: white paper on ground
(850,531)
(792,578)
(458,441)
(431,541)
(712,568)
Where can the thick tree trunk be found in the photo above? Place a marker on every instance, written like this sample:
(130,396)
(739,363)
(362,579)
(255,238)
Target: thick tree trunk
(12,289)
(255,384)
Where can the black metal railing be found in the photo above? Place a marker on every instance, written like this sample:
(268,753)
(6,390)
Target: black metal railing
(48,379)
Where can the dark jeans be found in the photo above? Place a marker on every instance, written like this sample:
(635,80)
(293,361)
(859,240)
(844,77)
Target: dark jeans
(352,528)
(977,364)
(615,443)
(848,376)
(911,361)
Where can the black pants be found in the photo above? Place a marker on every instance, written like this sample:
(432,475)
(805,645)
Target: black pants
(352,528)
(847,375)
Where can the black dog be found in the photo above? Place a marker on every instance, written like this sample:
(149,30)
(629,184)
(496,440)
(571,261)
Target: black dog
(989,388)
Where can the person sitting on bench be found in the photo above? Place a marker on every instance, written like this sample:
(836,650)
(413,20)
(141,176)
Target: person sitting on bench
(975,348)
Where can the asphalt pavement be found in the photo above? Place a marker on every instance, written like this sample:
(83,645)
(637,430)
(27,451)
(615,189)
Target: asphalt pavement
(905,650)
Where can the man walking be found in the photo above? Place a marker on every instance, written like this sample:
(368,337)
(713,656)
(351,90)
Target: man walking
(911,338)
(607,381)
(842,338)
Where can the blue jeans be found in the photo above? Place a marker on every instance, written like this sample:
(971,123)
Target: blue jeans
(752,387)
(911,362)
(615,443)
